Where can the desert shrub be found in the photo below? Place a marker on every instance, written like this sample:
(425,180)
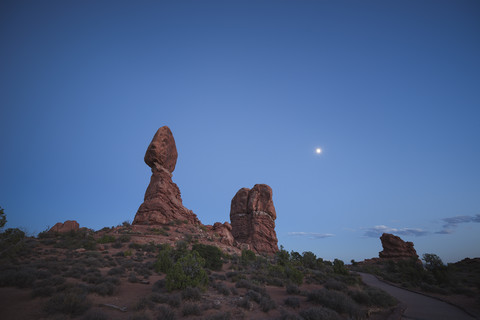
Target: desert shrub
(165,313)
(20,278)
(164,261)
(219,316)
(211,254)
(309,260)
(253,295)
(360,297)
(174,300)
(267,304)
(319,313)
(221,288)
(191,309)
(333,284)
(247,257)
(218,276)
(13,243)
(380,298)
(234,291)
(339,267)
(104,288)
(335,300)
(132,278)
(43,291)
(124,238)
(95,315)
(72,301)
(143,303)
(139,316)
(294,275)
(292,289)
(116,271)
(76,239)
(190,293)
(289,316)
(159,285)
(292,302)
(187,272)
(106,238)
(245,303)
(117,245)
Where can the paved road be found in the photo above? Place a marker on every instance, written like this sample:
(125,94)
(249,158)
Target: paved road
(419,307)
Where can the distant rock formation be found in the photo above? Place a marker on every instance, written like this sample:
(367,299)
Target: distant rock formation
(253,215)
(394,247)
(224,232)
(162,202)
(67,226)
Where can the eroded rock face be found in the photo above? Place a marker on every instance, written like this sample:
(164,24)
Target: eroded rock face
(162,201)
(224,231)
(252,215)
(67,226)
(395,247)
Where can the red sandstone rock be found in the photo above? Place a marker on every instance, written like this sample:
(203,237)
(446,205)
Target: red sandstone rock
(67,226)
(162,151)
(162,202)
(253,215)
(224,231)
(395,247)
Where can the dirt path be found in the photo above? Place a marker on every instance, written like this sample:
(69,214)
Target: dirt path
(419,307)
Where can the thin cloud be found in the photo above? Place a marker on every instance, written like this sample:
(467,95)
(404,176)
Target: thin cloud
(452,222)
(376,231)
(311,235)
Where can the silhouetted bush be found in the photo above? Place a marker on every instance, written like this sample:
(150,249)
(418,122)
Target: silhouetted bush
(106,238)
(143,303)
(292,289)
(339,267)
(333,284)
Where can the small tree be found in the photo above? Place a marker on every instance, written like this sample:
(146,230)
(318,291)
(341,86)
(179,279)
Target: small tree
(211,254)
(309,259)
(339,267)
(187,272)
(435,265)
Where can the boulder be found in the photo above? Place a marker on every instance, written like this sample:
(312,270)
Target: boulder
(162,202)
(394,247)
(252,216)
(162,151)
(224,232)
(67,226)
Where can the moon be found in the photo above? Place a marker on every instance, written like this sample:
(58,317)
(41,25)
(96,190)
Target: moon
(318,150)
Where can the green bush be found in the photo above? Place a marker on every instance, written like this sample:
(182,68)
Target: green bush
(106,238)
(165,313)
(191,309)
(187,272)
(247,257)
(164,260)
(211,254)
(292,302)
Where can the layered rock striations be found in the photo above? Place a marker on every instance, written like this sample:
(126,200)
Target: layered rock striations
(162,202)
(252,216)
(394,247)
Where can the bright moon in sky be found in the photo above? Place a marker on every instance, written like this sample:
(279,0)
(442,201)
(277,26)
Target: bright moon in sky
(318,151)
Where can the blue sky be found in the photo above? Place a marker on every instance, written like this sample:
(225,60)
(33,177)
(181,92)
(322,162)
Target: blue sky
(388,89)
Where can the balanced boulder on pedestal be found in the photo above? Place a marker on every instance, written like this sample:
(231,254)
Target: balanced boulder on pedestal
(162,202)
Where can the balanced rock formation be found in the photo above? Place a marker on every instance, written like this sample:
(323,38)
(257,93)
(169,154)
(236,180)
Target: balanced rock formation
(252,216)
(394,247)
(224,232)
(162,202)
(67,226)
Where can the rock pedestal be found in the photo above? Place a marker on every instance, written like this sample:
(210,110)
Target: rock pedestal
(67,226)
(252,216)
(162,202)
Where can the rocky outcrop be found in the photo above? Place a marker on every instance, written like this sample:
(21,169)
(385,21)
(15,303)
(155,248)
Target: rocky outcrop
(252,216)
(67,226)
(224,232)
(394,247)
(162,202)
